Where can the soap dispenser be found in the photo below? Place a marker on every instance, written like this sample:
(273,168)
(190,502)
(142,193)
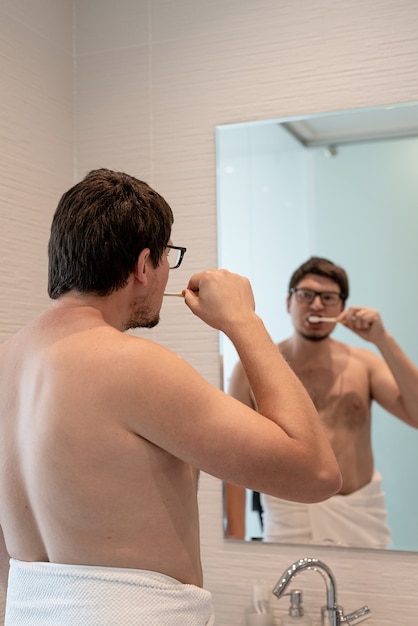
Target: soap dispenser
(296,616)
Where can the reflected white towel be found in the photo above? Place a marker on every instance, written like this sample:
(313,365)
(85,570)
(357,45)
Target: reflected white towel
(51,594)
(358,519)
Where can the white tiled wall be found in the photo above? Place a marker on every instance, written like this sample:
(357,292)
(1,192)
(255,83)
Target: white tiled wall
(36,145)
(36,148)
(152,79)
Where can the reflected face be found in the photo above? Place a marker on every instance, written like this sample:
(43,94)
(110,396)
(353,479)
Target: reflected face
(302,304)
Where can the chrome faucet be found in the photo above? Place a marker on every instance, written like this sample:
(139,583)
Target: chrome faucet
(332,614)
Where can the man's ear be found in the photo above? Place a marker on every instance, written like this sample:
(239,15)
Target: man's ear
(141,266)
(288,303)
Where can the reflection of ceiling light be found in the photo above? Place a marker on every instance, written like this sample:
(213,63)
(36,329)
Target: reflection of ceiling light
(331,151)
(229,169)
(357,125)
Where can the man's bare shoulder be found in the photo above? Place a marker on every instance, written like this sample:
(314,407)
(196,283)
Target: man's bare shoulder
(340,350)
(125,361)
(364,355)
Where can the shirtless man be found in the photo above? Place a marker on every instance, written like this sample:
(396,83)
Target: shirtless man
(102,433)
(342,381)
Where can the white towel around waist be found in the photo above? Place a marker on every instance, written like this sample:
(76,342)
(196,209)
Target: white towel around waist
(54,594)
(357,520)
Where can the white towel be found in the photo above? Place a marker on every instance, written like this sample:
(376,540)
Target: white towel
(357,520)
(52,594)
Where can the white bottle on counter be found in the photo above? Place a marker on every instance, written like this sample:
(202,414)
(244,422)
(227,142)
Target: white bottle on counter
(296,616)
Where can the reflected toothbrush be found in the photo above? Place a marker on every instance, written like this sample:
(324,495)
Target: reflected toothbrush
(316,319)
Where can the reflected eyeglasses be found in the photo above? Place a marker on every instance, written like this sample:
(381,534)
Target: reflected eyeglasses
(307,296)
(175,256)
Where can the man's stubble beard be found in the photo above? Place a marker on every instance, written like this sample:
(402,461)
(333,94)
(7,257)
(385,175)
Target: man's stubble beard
(143,323)
(142,317)
(313,338)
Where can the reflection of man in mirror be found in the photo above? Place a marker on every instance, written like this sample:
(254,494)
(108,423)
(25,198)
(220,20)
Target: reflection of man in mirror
(342,381)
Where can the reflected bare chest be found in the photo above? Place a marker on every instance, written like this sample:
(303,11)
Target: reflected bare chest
(342,398)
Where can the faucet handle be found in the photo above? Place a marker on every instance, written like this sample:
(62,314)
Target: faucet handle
(335,616)
(355,617)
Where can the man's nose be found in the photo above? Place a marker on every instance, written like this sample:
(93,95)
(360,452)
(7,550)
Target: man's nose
(317,302)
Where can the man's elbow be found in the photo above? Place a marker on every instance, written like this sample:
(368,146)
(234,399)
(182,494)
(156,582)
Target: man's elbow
(309,485)
(328,483)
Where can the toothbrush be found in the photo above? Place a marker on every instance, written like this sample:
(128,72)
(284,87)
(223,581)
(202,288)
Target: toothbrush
(315,319)
(178,294)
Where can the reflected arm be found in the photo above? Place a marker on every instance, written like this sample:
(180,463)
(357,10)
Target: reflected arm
(239,387)
(235,511)
(394,381)
(403,402)
(235,495)
(4,563)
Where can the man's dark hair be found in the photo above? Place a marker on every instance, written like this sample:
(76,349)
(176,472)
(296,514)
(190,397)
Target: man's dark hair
(321,267)
(98,230)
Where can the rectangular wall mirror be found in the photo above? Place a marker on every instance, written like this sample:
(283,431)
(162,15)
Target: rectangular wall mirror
(342,186)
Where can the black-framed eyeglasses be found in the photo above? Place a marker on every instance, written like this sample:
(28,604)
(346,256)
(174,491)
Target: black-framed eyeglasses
(175,256)
(307,296)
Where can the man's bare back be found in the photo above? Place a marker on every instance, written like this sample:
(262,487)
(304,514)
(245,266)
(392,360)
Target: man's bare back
(81,486)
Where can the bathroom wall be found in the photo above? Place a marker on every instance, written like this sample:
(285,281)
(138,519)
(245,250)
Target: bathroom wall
(36,145)
(36,148)
(152,80)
